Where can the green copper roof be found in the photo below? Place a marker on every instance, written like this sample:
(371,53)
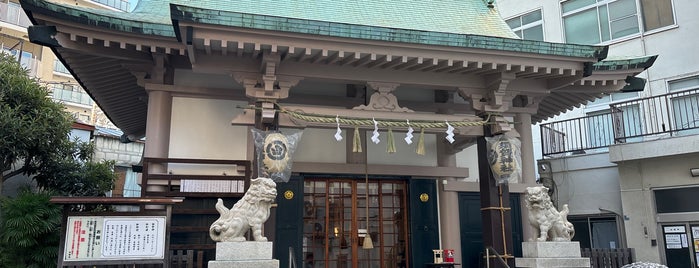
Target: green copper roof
(625,63)
(456,23)
(151,21)
(449,16)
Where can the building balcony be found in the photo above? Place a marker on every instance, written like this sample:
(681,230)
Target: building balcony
(12,13)
(648,119)
(72,97)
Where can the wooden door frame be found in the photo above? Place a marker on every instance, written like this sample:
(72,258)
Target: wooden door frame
(355,221)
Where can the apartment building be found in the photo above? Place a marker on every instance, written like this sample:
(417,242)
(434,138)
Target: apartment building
(42,64)
(627,162)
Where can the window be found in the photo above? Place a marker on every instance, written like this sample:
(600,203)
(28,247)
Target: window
(657,14)
(617,96)
(11,12)
(528,26)
(59,67)
(26,61)
(592,22)
(596,232)
(122,5)
(685,105)
(676,200)
(70,93)
(599,126)
(600,123)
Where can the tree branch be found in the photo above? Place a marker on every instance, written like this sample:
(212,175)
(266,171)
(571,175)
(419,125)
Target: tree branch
(13,173)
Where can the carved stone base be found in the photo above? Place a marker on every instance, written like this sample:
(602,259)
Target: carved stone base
(551,254)
(247,254)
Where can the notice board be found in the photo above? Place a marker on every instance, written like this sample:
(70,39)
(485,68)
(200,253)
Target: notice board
(107,238)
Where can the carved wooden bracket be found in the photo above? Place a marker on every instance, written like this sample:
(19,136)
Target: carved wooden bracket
(497,97)
(383,98)
(499,125)
(267,84)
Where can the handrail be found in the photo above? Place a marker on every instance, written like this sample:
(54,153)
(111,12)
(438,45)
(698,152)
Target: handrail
(499,257)
(292,258)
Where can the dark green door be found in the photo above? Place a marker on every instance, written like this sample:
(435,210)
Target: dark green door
(423,221)
(472,248)
(289,220)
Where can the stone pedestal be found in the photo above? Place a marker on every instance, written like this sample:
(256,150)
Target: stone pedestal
(247,254)
(551,254)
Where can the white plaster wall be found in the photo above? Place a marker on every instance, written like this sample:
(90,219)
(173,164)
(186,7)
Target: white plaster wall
(201,129)
(319,145)
(468,158)
(125,154)
(405,154)
(587,183)
(638,179)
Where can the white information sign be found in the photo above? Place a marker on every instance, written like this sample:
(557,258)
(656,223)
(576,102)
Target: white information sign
(114,238)
(673,241)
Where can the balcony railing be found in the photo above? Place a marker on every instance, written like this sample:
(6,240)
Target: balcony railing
(71,96)
(672,114)
(11,12)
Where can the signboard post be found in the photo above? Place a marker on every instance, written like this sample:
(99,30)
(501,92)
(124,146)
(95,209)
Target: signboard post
(106,238)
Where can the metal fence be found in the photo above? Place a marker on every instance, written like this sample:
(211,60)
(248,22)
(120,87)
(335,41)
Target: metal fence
(672,114)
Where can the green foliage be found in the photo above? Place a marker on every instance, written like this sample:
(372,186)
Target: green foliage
(34,141)
(29,230)
(34,128)
(74,178)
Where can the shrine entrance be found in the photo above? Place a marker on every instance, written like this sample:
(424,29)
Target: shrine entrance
(335,223)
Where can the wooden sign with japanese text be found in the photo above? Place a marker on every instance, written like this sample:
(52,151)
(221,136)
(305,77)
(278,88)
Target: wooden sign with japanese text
(103,238)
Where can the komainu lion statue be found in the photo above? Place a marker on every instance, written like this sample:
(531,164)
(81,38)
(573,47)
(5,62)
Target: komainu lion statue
(249,213)
(543,216)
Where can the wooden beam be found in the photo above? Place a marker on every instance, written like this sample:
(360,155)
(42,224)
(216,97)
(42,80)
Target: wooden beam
(373,169)
(101,51)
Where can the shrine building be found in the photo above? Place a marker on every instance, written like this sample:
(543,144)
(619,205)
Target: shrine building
(195,77)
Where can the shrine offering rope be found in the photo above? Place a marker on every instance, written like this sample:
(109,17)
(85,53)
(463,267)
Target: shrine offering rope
(331,119)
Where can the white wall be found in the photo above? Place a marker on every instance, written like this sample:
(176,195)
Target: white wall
(638,179)
(468,158)
(319,145)
(405,154)
(201,128)
(586,183)
(125,154)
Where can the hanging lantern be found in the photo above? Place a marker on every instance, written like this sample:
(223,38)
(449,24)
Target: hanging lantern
(504,158)
(276,152)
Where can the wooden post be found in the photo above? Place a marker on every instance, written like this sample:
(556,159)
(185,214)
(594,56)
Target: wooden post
(495,208)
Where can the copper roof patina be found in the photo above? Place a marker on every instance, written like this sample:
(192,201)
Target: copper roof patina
(455,23)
